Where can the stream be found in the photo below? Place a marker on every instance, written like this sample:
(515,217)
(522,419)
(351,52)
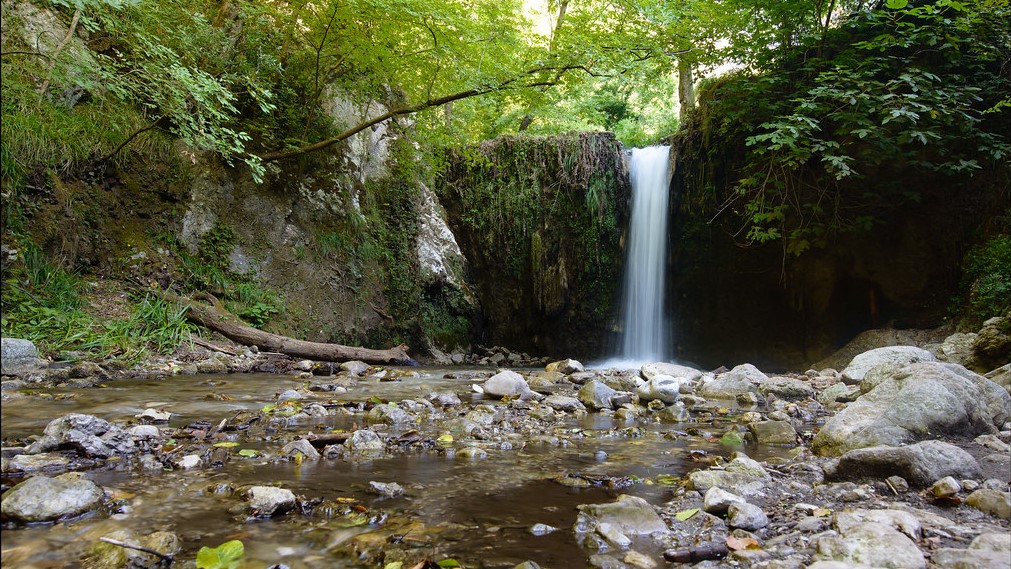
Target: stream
(490,511)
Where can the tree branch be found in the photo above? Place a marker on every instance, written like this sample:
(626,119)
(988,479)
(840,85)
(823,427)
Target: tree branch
(59,48)
(430,103)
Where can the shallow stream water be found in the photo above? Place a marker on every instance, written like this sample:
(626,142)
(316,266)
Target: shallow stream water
(478,511)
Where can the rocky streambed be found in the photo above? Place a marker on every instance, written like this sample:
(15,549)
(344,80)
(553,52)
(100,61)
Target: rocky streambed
(896,460)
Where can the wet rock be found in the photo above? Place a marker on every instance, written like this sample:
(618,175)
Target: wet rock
(949,558)
(268,501)
(564,403)
(744,378)
(596,396)
(663,388)
(773,432)
(84,433)
(839,392)
(289,395)
(542,529)
(717,500)
(945,487)
(103,555)
(617,522)
(366,442)
(44,499)
(81,370)
(388,414)
(300,446)
(673,414)
(472,453)
(151,416)
(742,515)
(565,366)
(873,544)
(42,462)
(919,464)
(354,368)
(993,502)
(508,383)
(900,355)
(920,398)
(386,489)
(213,365)
(742,476)
(444,399)
(19,357)
(684,373)
(187,462)
(786,388)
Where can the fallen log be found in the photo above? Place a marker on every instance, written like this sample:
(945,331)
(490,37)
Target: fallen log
(214,316)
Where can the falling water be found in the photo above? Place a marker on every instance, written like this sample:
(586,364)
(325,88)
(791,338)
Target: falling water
(645,330)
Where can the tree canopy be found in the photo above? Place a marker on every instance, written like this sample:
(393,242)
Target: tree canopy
(246,79)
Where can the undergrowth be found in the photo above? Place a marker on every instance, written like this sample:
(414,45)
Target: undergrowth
(43,302)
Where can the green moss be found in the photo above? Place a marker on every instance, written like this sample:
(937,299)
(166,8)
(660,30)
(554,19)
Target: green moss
(986,282)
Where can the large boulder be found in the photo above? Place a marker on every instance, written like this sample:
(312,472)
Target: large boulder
(686,373)
(508,383)
(744,378)
(86,434)
(895,355)
(19,357)
(917,402)
(919,464)
(43,499)
(993,342)
(661,388)
(617,522)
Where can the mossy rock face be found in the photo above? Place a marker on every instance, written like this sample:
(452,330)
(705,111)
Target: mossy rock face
(540,221)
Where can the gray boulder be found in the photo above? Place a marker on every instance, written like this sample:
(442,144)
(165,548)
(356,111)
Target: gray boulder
(84,433)
(268,501)
(43,499)
(744,378)
(508,383)
(596,396)
(19,357)
(663,388)
(773,432)
(786,388)
(900,355)
(686,373)
(919,464)
(617,522)
(919,401)
(993,502)
(875,539)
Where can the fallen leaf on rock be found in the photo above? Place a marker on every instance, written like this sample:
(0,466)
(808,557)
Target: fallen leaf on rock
(735,543)
(686,515)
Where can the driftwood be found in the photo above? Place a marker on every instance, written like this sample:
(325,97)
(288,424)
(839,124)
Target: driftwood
(697,553)
(215,317)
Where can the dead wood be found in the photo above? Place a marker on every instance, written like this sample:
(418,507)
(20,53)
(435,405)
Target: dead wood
(213,315)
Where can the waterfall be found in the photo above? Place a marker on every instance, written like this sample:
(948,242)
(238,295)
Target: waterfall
(646,336)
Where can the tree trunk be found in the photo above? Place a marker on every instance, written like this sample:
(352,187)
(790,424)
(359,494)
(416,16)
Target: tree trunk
(686,86)
(215,317)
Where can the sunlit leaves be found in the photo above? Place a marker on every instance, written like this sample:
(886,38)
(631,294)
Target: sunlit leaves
(228,555)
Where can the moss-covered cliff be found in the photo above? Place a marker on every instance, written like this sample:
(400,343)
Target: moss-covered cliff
(540,220)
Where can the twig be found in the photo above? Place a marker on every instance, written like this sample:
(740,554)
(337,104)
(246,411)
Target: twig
(166,558)
(201,342)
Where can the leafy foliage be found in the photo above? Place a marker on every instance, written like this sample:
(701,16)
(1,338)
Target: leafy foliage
(986,280)
(833,131)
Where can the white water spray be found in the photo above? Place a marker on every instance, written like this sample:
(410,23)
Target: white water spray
(646,337)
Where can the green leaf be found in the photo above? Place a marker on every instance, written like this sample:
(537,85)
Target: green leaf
(228,555)
(896,4)
(667,480)
(686,515)
(247,452)
(449,563)
(226,444)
